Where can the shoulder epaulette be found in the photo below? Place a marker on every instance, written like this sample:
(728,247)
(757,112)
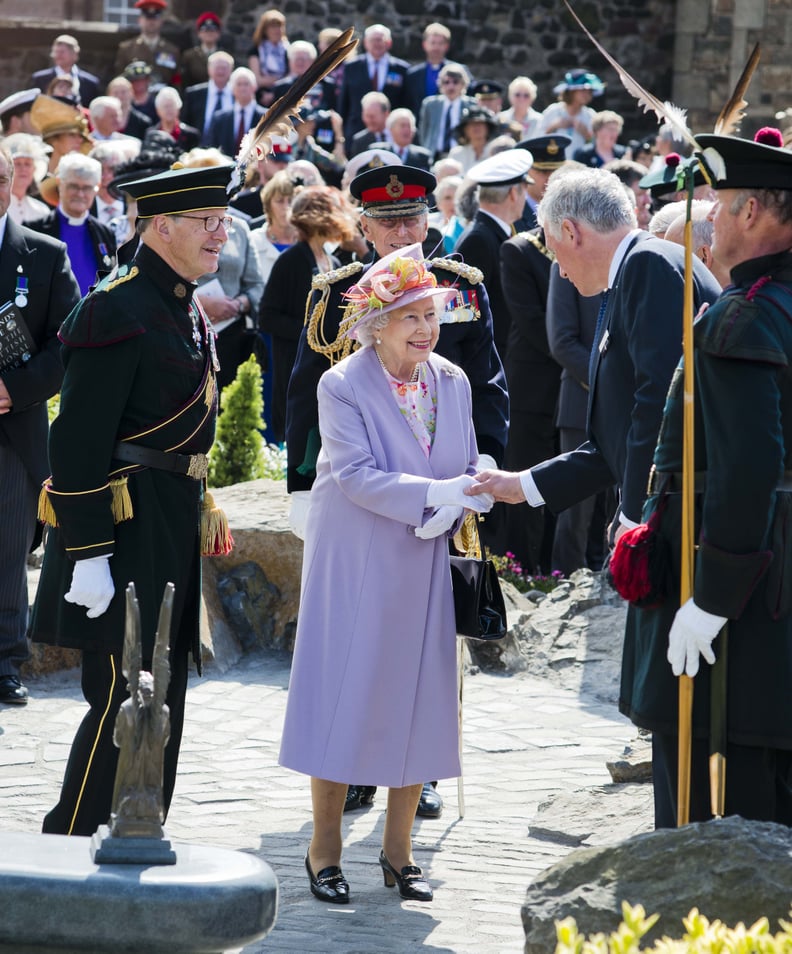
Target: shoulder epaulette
(538,244)
(474,275)
(341,345)
(120,278)
(325,279)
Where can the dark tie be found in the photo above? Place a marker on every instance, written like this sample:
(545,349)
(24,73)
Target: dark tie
(218,101)
(241,130)
(597,334)
(447,129)
(375,77)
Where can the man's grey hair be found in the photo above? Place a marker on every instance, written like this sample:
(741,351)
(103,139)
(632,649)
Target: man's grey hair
(665,215)
(592,196)
(76,165)
(778,202)
(494,194)
(702,226)
(101,104)
(397,114)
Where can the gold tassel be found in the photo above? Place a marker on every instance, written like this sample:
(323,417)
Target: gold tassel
(216,539)
(46,512)
(210,389)
(122,502)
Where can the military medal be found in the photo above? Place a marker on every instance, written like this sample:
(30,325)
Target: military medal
(213,351)
(105,257)
(21,291)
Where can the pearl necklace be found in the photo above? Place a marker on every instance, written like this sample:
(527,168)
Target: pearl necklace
(413,377)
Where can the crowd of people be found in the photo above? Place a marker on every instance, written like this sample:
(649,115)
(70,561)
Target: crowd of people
(424,248)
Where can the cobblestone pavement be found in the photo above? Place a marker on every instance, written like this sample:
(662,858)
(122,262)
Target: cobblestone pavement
(526,741)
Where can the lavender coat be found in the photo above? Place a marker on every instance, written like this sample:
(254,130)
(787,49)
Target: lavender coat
(373,692)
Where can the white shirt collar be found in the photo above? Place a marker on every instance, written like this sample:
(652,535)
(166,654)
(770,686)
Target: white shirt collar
(504,225)
(3,220)
(618,255)
(70,220)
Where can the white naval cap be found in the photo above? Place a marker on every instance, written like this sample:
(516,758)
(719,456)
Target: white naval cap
(504,168)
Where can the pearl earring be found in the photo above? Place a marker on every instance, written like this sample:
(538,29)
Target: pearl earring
(378,341)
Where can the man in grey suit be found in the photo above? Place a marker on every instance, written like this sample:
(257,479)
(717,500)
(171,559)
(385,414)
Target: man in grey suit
(442,113)
(590,226)
(37,282)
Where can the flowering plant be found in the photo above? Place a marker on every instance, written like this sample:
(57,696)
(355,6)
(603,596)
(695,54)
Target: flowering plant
(509,568)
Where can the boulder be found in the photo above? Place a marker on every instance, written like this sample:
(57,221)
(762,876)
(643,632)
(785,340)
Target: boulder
(731,869)
(251,596)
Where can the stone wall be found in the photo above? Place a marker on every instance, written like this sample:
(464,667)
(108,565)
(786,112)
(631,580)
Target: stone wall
(686,50)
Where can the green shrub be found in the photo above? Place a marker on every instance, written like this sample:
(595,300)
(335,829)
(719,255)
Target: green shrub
(237,454)
(701,937)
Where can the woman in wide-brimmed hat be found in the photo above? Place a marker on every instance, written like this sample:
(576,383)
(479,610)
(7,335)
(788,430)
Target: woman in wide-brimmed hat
(477,127)
(373,689)
(571,115)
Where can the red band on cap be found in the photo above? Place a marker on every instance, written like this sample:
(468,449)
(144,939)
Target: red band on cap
(393,192)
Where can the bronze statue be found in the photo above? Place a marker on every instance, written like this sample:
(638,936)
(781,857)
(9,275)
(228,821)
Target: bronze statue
(142,728)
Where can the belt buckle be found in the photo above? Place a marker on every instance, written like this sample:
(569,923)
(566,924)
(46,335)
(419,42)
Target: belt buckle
(199,466)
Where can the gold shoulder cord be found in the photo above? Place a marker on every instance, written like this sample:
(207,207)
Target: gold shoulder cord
(474,275)
(342,346)
(538,245)
(132,273)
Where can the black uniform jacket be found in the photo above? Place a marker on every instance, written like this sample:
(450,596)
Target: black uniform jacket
(134,372)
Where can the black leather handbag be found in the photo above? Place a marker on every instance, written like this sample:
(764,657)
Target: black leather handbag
(478,602)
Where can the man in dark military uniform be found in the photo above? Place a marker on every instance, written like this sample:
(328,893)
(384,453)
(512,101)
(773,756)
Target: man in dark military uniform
(395,214)
(743,463)
(138,409)
(162,56)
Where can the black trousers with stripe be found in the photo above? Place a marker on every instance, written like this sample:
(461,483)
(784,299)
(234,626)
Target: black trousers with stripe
(87,792)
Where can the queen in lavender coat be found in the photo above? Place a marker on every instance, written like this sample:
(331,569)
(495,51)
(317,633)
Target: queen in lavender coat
(373,691)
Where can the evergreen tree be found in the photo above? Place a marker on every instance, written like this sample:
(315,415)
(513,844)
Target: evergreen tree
(237,452)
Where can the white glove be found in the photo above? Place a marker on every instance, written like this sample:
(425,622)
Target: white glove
(692,633)
(485,462)
(439,523)
(298,513)
(450,493)
(91,585)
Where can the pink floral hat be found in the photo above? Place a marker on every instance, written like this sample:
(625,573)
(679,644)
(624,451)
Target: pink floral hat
(394,281)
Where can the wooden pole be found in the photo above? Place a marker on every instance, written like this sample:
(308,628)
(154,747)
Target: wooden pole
(688,515)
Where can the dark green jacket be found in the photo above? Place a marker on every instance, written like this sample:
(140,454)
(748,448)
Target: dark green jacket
(743,429)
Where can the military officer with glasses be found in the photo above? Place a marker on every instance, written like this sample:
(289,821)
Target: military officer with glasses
(125,501)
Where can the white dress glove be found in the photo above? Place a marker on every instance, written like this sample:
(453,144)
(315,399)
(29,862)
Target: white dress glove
(91,585)
(439,523)
(298,513)
(691,635)
(485,462)
(450,493)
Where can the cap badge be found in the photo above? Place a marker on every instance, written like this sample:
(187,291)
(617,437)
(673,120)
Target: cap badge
(552,147)
(395,188)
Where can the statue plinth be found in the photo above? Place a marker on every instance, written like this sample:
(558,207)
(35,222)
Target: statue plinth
(127,849)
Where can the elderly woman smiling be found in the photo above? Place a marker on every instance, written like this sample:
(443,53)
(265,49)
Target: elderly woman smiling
(373,692)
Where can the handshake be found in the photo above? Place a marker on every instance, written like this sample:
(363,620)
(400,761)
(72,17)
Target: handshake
(448,500)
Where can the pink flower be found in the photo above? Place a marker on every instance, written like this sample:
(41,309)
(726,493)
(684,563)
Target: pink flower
(386,287)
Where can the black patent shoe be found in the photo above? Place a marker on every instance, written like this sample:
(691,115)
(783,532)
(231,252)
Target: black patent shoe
(329,885)
(359,795)
(430,804)
(412,884)
(12,692)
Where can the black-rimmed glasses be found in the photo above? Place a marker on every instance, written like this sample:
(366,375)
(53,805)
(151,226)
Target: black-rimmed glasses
(211,222)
